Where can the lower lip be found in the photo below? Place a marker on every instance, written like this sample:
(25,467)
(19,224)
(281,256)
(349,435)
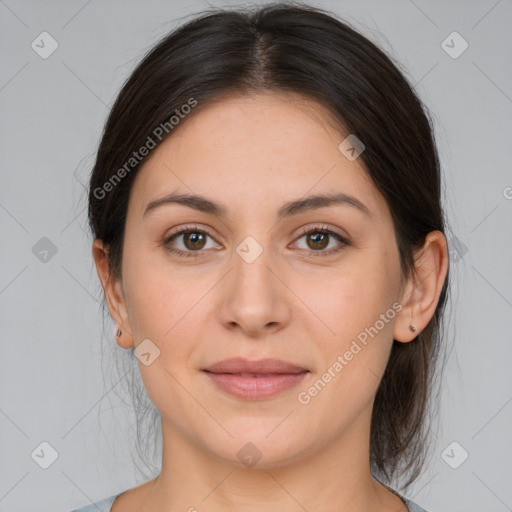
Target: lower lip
(254,388)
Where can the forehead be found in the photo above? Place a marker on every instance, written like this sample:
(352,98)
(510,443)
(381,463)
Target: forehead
(276,146)
(233,120)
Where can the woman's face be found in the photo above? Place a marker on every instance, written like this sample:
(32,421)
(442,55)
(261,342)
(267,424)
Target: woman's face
(251,284)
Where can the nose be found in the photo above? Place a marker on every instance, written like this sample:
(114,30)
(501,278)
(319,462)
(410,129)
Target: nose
(255,298)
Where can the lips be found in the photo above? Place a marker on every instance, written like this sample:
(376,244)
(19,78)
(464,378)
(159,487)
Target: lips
(261,368)
(255,380)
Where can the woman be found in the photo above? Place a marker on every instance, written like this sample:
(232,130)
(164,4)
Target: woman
(265,205)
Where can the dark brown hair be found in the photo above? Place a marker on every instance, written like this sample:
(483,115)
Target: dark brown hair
(302,49)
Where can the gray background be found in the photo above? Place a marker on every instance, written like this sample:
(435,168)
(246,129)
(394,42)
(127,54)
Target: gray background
(53,354)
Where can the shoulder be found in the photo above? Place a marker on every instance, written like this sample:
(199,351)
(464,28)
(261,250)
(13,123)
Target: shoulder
(100,506)
(413,507)
(106,504)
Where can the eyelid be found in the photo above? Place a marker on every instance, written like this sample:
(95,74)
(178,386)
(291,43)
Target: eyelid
(188,227)
(320,227)
(302,231)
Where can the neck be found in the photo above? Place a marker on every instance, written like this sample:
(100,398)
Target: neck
(333,476)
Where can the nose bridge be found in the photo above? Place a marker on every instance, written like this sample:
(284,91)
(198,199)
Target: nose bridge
(253,262)
(254,298)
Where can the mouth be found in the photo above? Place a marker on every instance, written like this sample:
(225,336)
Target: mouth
(254,380)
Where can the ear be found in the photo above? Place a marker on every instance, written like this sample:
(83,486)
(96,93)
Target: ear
(423,288)
(114,294)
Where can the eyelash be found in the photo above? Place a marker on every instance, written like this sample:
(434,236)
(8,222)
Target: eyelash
(303,232)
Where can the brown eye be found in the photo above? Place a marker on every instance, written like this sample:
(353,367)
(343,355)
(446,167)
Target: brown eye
(194,240)
(190,241)
(317,240)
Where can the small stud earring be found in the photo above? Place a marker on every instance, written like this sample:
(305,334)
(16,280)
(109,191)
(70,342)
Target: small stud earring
(118,333)
(413,328)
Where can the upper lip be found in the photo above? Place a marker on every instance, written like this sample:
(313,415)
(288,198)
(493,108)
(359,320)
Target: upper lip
(241,365)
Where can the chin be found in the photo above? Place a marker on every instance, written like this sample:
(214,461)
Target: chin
(251,450)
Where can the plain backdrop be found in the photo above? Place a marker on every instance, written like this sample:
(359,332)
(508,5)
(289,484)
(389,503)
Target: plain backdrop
(53,108)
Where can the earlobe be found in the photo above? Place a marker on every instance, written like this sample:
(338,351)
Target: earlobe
(124,339)
(423,288)
(113,294)
(406,327)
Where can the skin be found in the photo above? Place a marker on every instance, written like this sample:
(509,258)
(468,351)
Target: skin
(253,154)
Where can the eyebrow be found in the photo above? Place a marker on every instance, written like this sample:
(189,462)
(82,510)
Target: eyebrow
(203,204)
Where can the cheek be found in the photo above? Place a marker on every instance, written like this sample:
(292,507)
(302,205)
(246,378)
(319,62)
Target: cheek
(161,309)
(166,305)
(159,295)
(350,298)
(357,305)
(354,360)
